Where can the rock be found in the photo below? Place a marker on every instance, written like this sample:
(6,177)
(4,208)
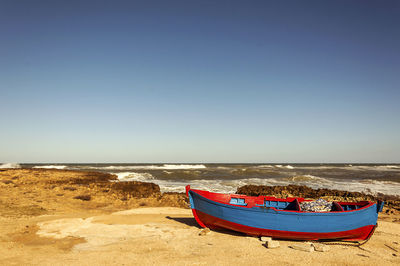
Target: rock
(83,197)
(320,247)
(69,188)
(135,188)
(320,205)
(272,244)
(265,238)
(204,232)
(303,247)
(174,199)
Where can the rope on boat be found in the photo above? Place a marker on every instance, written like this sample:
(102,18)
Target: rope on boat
(355,243)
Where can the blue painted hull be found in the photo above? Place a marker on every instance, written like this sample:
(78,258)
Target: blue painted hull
(350,225)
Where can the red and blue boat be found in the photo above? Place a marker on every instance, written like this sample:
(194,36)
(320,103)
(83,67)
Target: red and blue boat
(283,218)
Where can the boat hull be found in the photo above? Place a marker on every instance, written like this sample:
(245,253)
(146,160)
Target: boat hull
(350,225)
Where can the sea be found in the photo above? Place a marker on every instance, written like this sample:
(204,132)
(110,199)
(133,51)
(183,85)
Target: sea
(226,178)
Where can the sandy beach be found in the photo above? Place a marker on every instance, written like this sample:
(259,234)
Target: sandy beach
(57,217)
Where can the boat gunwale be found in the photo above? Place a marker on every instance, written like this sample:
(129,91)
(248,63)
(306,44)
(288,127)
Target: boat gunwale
(263,208)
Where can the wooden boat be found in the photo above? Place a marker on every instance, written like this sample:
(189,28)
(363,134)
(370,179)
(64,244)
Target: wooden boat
(283,218)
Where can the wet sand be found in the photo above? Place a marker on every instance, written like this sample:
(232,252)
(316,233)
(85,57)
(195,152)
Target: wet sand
(38,225)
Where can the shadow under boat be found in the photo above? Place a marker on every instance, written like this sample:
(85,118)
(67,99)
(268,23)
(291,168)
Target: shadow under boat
(190,221)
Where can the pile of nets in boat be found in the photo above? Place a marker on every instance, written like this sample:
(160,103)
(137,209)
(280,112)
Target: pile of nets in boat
(320,205)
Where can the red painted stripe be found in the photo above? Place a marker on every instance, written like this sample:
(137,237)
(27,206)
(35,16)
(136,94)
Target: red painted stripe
(206,220)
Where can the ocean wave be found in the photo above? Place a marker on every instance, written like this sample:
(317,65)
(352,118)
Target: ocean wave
(9,165)
(314,167)
(168,172)
(265,166)
(374,167)
(393,166)
(227,178)
(396,167)
(282,166)
(374,187)
(50,166)
(230,186)
(306,178)
(183,166)
(133,176)
(224,168)
(151,167)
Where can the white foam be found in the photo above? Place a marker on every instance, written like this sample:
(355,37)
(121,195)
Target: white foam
(9,165)
(50,166)
(151,167)
(315,182)
(183,166)
(389,167)
(306,178)
(281,166)
(312,167)
(224,168)
(374,167)
(133,176)
(265,166)
(172,184)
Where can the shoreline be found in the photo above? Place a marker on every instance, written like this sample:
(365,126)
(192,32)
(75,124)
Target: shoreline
(53,217)
(370,179)
(94,186)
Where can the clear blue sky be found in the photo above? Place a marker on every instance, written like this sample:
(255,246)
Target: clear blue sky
(199,81)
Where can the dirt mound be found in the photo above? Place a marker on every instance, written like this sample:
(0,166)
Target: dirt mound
(33,192)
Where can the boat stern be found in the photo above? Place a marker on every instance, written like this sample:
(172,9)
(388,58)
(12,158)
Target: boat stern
(379,206)
(187,188)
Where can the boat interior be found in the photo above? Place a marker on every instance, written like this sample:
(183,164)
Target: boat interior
(288,204)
